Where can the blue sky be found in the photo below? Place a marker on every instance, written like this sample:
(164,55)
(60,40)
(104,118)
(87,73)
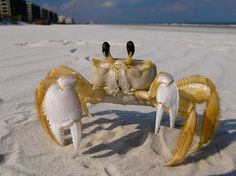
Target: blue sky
(144,11)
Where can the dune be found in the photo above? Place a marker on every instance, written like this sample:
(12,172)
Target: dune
(120,139)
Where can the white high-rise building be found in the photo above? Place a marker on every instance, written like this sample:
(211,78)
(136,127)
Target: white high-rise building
(5,8)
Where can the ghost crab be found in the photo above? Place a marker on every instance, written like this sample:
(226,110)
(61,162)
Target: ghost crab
(126,81)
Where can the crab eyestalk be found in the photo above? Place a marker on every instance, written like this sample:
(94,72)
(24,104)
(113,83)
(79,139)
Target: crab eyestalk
(106,52)
(130,50)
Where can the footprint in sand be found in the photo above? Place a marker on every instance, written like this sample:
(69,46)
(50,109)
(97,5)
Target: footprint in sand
(87,58)
(58,42)
(22,44)
(227,92)
(2,158)
(24,106)
(23,113)
(73,50)
(1,101)
(111,170)
(4,132)
(17,119)
(46,43)
(85,165)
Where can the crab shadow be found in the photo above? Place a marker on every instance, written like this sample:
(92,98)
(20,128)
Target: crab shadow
(230,173)
(145,124)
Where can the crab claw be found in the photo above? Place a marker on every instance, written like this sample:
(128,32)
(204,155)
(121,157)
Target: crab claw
(159,114)
(167,96)
(62,109)
(76,134)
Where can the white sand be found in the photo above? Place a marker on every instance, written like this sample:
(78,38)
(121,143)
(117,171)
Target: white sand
(120,139)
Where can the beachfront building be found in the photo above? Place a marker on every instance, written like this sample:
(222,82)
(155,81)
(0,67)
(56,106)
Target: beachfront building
(69,20)
(55,18)
(18,10)
(61,19)
(65,20)
(15,9)
(5,8)
(52,17)
(40,15)
(44,16)
(33,12)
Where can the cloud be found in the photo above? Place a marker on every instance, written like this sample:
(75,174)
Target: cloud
(176,7)
(50,7)
(108,4)
(145,10)
(205,1)
(72,4)
(85,10)
(164,6)
(75,4)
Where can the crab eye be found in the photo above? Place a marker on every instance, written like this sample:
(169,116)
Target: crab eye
(105,49)
(105,45)
(130,48)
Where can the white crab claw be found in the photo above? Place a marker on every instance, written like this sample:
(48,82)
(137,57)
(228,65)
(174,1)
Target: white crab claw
(159,114)
(57,130)
(62,109)
(76,134)
(173,110)
(167,96)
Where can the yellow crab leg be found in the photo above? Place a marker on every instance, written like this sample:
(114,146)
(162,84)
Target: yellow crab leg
(186,138)
(203,90)
(210,119)
(84,107)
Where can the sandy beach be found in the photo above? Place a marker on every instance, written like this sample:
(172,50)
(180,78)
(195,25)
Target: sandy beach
(120,139)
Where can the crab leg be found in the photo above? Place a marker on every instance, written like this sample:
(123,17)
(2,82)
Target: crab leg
(200,89)
(186,139)
(85,108)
